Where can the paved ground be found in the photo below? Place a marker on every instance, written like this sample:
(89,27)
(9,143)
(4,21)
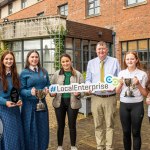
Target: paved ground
(85,133)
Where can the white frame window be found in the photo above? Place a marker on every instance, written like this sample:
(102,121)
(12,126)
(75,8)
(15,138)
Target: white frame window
(23,4)
(93,7)
(133,2)
(63,10)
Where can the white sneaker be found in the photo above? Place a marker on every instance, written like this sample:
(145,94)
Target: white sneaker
(74,148)
(59,148)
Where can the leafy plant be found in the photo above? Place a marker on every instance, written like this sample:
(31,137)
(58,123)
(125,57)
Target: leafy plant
(58,35)
(84,75)
(5,47)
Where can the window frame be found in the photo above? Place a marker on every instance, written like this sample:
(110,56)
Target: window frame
(136,3)
(41,14)
(23,4)
(88,3)
(141,52)
(63,13)
(10,8)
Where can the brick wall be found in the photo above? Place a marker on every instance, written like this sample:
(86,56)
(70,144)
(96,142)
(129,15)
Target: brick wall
(128,23)
(32,11)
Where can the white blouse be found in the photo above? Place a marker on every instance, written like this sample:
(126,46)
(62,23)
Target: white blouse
(142,77)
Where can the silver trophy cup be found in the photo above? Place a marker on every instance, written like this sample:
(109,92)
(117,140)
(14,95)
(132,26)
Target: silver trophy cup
(128,83)
(40,94)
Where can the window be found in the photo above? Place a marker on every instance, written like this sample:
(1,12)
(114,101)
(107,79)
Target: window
(139,46)
(10,9)
(63,10)
(124,46)
(132,46)
(23,3)
(41,14)
(132,2)
(93,7)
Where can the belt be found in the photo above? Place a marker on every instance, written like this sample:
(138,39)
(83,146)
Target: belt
(104,96)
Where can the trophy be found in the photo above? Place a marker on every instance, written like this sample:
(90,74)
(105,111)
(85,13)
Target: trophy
(128,83)
(14,95)
(40,94)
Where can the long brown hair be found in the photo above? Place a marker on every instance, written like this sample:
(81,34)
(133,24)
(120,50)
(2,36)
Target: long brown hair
(138,65)
(14,74)
(27,59)
(27,64)
(68,56)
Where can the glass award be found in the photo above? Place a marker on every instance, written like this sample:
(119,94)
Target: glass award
(14,95)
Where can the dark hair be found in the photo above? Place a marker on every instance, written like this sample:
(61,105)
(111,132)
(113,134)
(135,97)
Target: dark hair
(27,64)
(65,55)
(138,65)
(27,59)
(15,76)
(68,56)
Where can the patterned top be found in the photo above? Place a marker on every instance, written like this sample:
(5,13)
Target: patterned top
(12,138)
(5,96)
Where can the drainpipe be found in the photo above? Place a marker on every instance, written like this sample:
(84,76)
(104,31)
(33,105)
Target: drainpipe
(114,46)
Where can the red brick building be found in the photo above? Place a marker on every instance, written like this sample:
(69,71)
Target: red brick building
(127,19)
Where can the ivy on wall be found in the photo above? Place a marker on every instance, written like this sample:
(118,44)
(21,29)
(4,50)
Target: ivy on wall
(58,35)
(5,48)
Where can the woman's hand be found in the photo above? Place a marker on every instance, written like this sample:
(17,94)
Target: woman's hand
(88,93)
(53,94)
(135,81)
(33,91)
(121,82)
(46,90)
(19,103)
(76,93)
(119,87)
(10,104)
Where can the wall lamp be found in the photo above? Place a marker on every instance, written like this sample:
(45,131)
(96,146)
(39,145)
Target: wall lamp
(100,33)
(5,20)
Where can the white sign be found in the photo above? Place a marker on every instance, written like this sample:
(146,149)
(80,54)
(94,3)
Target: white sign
(110,83)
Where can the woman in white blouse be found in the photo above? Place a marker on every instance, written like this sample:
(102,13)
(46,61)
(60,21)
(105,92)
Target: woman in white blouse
(132,91)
